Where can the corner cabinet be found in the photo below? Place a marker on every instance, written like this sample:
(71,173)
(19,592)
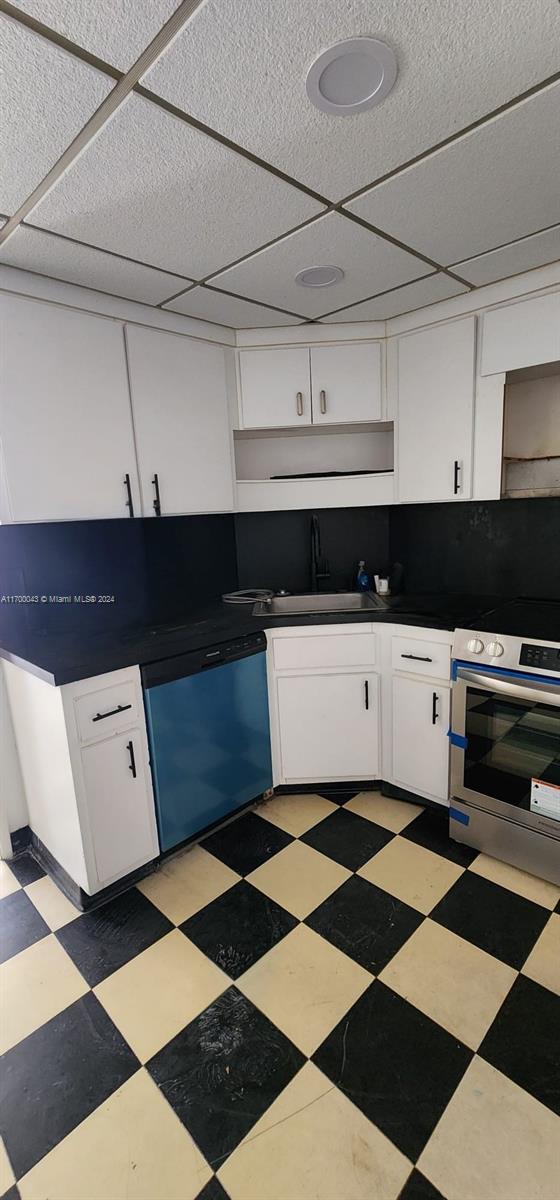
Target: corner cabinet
(84,755)
(181,423)
(298,386)
(324,704)
(435,399)
(66,440)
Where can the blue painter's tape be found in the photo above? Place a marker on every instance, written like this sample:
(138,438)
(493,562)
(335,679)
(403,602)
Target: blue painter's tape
(456,815)
(457,739)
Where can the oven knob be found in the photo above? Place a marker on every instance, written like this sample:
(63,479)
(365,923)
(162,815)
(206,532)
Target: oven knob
(495,649)
(475,646)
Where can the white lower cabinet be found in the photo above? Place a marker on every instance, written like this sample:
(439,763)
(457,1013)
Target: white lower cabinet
(420,742)
(83,750)
(328,726)
(119,805)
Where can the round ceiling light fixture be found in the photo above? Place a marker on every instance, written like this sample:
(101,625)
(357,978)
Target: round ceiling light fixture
(353,75)
(319,277)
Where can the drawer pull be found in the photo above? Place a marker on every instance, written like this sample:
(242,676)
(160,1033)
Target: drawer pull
(417,657)
(132,763)
(366,692)
(435,713)
(323,401)
(112,712)
(299,403)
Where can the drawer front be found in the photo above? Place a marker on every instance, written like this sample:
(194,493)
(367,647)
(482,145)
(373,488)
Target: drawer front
(421,658)
(106,711)
(337,650)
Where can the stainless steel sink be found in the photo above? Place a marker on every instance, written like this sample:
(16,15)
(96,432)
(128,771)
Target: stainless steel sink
(320,602)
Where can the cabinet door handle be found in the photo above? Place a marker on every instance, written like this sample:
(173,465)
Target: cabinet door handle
(456,483)
(366,692)
(132,763)
(112,712)
(128,500)
(323,401)
(157,501)
(299,403)
(435,713)
(417,657)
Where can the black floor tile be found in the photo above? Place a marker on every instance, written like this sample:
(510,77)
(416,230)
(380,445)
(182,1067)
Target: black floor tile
(101,941)
(223,1071)
(20,925)
(347,838)
(26,869)
(431,830)
(365,923)
(213,1191)
(417,1187)
(338,795)
(238,928)
(13,1193)
(493,918)
(246,843)
(55,1077)
(395,1064)
(524,1041)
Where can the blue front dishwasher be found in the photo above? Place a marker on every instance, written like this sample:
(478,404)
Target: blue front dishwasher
(209,735)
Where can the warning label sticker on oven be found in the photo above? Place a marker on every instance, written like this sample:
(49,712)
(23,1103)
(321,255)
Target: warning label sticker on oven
(545,798)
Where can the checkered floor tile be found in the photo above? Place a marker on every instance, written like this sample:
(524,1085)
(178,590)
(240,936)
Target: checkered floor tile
(325,998)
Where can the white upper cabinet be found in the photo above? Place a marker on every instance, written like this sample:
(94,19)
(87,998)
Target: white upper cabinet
(435,412)
(65,429)
(275,387)
(524,334)
(346,383)
(181,423)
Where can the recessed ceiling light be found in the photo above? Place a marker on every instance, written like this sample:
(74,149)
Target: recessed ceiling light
(319,276)
(352,76)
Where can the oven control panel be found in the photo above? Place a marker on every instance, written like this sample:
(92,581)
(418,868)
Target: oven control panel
(545,658)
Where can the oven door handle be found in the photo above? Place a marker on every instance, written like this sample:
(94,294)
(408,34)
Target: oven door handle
(510,687)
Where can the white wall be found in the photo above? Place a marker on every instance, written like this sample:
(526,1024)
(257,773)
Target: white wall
(13,805)
(532,417)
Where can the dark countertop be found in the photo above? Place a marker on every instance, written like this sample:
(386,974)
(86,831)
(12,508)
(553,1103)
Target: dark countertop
(66,658)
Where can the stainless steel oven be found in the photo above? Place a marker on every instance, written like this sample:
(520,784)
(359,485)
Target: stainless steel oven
(505,750)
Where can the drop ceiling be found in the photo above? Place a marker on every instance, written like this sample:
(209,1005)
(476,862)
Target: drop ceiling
(216,181)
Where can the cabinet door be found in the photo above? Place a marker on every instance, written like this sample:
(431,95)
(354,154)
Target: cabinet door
(275,387)
(346,383)
(120,805)
(524,334)
(65,422)
(181,420)
(420,742)
(329,726)
(435,412)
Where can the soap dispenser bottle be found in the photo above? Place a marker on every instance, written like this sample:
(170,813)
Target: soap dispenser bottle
(362,578)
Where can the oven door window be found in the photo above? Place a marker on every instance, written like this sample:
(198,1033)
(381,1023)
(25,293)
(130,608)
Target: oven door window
(510,741)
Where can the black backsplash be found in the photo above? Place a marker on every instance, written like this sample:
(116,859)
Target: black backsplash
(273,548)
(157,570)
(497,547)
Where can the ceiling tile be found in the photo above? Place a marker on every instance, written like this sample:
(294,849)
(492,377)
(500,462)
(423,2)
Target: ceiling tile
(456,63)
(116,32)
(414,295)
(213,305)
(152,188)
(370,264)
(498,183)
(524,255)
(46,97)
(32,250)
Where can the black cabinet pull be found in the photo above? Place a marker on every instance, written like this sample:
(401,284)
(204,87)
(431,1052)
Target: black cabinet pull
(366,692)
(132,763)
(417,657)
(456,469)
(435,713)
(128,500)
(157,501)
(112,712)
